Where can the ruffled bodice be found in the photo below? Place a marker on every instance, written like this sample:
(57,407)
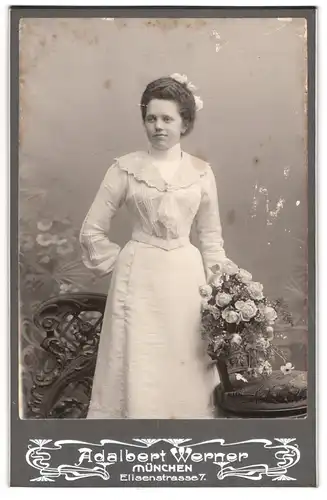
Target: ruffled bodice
(162,212)
(140,166)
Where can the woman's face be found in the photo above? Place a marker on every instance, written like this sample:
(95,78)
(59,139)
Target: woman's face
(163,123)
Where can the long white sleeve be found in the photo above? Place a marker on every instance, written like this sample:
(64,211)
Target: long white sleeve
(208,226)
(99,253)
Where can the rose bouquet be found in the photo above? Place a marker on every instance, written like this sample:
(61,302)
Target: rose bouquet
(238,320)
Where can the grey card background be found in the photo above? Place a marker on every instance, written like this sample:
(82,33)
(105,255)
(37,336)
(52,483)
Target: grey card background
(79,109)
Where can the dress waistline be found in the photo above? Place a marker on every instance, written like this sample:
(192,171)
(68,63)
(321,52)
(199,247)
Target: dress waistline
(156,241)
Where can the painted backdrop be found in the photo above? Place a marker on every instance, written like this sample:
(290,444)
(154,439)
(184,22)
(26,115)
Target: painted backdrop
(80,87)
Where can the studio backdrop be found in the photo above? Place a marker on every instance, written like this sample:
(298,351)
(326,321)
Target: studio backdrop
(80,86)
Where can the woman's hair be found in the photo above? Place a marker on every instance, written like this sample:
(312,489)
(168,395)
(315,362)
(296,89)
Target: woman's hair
(171,90)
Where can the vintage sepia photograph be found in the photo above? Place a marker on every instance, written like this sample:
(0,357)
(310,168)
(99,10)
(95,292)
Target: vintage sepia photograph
(163,217)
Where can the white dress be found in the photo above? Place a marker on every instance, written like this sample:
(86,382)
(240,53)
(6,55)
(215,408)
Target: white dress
(152,361)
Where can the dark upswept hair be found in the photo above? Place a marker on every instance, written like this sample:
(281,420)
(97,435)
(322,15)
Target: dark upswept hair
(171,90)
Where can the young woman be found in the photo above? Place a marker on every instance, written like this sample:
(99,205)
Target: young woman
(152,361)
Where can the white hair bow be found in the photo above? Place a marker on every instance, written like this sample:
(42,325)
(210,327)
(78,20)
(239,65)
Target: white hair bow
(189,85)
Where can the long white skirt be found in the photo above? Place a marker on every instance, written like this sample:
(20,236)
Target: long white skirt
(152,361)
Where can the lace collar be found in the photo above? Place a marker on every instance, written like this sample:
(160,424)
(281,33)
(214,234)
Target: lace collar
(140,166)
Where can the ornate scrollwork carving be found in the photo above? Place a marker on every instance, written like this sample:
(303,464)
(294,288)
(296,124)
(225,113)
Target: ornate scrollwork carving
(72,325)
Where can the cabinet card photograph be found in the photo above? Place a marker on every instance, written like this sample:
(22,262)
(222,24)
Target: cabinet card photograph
(163,246)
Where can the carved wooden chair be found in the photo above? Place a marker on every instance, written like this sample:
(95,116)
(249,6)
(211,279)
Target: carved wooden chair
(71,324)
(62,388)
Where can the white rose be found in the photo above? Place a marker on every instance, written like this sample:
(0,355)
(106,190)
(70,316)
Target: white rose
(229,267)
(179,78)
(205,291)
(244,275)
(223,299)
(236,338)
(247,309)
(255,290)
(270,314)
(230,316)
